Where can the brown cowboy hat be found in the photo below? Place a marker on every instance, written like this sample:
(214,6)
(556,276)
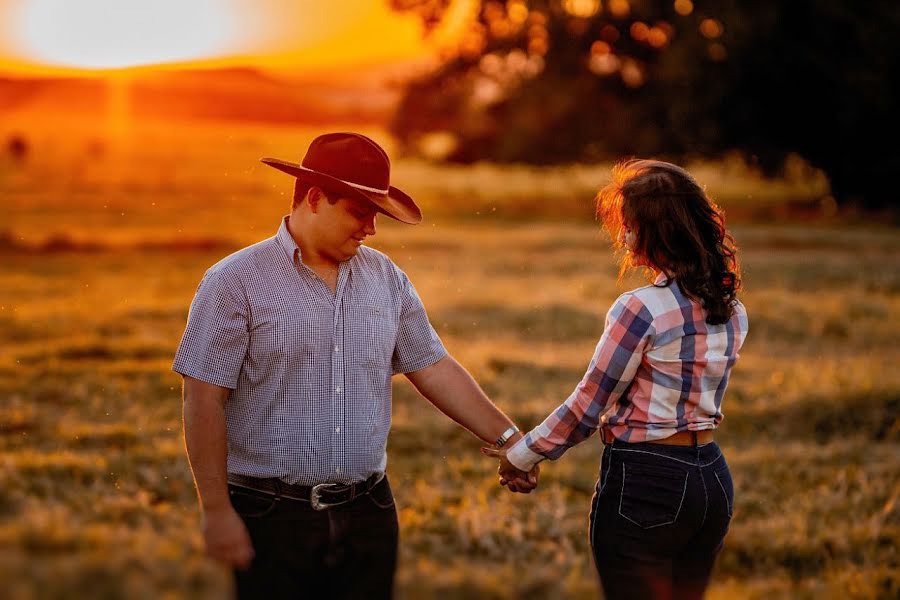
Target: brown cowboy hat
(352,166)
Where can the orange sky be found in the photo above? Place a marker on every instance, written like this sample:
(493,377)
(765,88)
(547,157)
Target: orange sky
(50,35)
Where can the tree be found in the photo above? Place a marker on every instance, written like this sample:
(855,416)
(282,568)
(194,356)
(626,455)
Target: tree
(820,78)
(549,81)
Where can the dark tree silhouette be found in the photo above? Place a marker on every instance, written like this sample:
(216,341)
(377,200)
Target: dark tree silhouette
(820,78)
(546,81)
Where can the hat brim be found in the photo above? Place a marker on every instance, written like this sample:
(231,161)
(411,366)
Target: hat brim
(395,204)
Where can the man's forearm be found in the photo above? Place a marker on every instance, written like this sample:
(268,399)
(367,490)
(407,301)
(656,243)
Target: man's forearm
(451,388)
(206,442)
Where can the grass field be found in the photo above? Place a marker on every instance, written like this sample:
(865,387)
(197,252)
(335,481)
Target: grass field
(100,258)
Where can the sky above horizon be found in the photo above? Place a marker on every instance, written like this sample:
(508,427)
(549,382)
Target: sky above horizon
(53,35)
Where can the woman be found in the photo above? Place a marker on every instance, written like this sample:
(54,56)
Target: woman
(654,389)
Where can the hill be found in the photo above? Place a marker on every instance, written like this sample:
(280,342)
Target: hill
(234,94)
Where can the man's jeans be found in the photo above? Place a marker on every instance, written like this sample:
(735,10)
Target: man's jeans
(347,551)
(658,519)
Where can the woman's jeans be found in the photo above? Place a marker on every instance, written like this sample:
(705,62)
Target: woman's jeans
(658,519)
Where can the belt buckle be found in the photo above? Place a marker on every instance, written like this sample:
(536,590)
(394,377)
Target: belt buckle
(315,497)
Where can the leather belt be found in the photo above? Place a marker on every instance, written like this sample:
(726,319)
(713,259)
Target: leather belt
(679,438)
(320,496)
(686,438)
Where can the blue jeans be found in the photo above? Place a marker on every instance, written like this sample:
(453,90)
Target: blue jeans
(345,552)
(658,519)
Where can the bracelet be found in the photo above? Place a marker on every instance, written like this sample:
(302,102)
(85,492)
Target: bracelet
(504,437)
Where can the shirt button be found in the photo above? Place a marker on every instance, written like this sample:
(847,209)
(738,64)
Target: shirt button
(337,429)
(338,470)
(337,349)
(338,389)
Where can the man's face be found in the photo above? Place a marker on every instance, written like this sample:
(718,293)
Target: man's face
(343,226)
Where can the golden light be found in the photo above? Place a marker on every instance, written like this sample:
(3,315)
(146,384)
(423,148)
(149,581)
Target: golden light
(639,31)
(538,46)
(600,47)
(657,38)
(711,28)
(604,64)
(517,11)
(619,8)
(684,7)
(583,9)
(491,64)
(717,52)
(111,34)
(632,74)
(500,29)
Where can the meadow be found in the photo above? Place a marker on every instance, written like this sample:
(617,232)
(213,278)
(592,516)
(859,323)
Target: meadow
(102,245)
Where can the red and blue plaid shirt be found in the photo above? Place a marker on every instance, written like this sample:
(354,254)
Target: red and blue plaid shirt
(659,368)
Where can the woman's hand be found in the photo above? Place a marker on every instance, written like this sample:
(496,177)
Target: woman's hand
(516,480)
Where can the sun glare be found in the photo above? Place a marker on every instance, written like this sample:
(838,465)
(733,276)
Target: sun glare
(114,34)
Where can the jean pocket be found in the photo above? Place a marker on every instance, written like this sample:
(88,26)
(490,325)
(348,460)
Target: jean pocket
(727,487)
(382,496)
(251,504)
(652,495)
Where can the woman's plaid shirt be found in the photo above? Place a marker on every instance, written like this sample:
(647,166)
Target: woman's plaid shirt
(658,368)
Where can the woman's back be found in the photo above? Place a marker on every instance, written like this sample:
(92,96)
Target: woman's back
(685,364)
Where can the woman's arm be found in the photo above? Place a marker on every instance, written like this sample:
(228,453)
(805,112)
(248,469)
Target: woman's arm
(628,333)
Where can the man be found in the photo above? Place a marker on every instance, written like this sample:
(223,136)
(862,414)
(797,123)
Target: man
(287,360)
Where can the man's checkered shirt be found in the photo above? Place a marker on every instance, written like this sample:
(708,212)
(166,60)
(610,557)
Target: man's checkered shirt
(310,370)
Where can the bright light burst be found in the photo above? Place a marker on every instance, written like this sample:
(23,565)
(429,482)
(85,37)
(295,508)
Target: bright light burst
(110,34)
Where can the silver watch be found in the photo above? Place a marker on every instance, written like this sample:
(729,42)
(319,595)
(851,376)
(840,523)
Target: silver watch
(504,437)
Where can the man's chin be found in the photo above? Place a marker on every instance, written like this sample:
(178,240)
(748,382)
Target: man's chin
(350,254)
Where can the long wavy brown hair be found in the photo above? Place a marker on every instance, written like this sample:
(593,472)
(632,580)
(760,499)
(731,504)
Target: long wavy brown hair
(677,230)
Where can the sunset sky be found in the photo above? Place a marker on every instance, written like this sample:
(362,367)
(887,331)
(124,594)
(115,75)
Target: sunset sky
(38,36)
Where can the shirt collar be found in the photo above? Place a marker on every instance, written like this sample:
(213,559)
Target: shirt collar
(286,240)
(661,279)
(289,245)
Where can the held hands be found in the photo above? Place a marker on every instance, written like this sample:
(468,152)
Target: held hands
(514,479)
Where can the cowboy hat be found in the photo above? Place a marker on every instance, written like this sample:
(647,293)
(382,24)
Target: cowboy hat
(352,166)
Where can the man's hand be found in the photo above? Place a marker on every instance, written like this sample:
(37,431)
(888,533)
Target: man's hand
(514,479)
(227,539)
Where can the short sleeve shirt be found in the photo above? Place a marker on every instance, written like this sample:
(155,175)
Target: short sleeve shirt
(309,370)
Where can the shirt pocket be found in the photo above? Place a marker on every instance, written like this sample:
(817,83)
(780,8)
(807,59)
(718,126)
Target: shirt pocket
(377,338)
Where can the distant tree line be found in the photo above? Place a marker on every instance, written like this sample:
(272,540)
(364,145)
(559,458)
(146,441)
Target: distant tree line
(549,81)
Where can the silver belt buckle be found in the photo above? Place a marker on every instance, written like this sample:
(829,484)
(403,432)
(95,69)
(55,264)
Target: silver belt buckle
(315,497)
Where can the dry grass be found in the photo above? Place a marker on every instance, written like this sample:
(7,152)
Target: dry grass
(96,498)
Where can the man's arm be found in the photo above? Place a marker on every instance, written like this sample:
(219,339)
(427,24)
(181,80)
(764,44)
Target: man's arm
(224,532)
(451,388)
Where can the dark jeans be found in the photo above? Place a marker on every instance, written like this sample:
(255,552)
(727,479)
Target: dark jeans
(347,551)
(658,519)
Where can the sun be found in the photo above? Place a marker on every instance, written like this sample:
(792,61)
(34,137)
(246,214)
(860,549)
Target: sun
(115,34)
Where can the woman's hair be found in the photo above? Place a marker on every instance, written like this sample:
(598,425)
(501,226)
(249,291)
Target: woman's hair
(677,229)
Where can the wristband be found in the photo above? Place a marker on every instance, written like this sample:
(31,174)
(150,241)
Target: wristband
(504,437)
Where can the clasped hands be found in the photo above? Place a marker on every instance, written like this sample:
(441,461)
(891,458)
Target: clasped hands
(523,482)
